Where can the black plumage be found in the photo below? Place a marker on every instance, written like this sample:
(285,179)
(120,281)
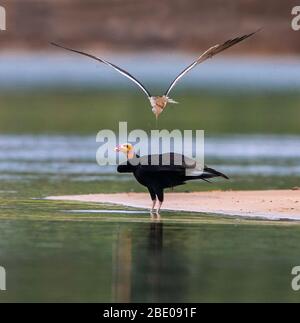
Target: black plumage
(153,172)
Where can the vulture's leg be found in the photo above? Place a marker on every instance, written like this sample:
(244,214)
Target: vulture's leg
(153,198)
(160,195)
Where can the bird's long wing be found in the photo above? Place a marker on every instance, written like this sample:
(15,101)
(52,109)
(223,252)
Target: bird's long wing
(167,161)
(208,54)
(118,69)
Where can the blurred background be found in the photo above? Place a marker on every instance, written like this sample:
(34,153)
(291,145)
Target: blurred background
(53,103)
(171,25)
(242,90)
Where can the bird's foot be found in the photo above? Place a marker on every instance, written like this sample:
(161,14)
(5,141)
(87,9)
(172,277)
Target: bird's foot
(152,210)
(155,216)
(159,207)
(172,101)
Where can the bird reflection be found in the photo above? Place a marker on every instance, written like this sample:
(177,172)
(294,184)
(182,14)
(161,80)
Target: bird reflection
(155,239)
(133,254)
(122,266)
(155,258)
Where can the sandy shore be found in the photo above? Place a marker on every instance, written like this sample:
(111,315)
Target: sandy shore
(273,204)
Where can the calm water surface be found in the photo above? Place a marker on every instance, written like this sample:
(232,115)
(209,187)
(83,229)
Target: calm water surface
(65,251)
(105,260)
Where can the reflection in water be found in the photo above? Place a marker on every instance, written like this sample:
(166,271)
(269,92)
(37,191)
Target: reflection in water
(155,255)
(123,262)
(152,262)
(122,266)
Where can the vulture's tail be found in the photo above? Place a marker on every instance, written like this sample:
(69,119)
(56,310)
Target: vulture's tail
(214,173)
(207,173)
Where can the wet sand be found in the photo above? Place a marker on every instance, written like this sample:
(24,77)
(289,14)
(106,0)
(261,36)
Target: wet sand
(272,204)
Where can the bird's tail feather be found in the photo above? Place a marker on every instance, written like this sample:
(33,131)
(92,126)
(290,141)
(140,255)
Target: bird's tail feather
(215,172)
(207,173)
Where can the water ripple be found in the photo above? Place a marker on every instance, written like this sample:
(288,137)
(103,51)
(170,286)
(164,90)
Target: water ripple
(76,155)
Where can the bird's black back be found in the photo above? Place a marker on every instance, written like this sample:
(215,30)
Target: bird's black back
(165,170)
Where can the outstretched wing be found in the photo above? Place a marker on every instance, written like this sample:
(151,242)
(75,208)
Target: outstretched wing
(118,69)
(212,51)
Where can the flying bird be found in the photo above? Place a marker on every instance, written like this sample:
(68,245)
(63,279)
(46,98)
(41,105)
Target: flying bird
(158,175)
(159,103)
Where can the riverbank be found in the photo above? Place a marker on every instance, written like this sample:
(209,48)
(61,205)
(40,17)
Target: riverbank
(267,204)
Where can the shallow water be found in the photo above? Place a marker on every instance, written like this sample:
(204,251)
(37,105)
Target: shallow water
(90,260)
(54,155)
(68,251)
